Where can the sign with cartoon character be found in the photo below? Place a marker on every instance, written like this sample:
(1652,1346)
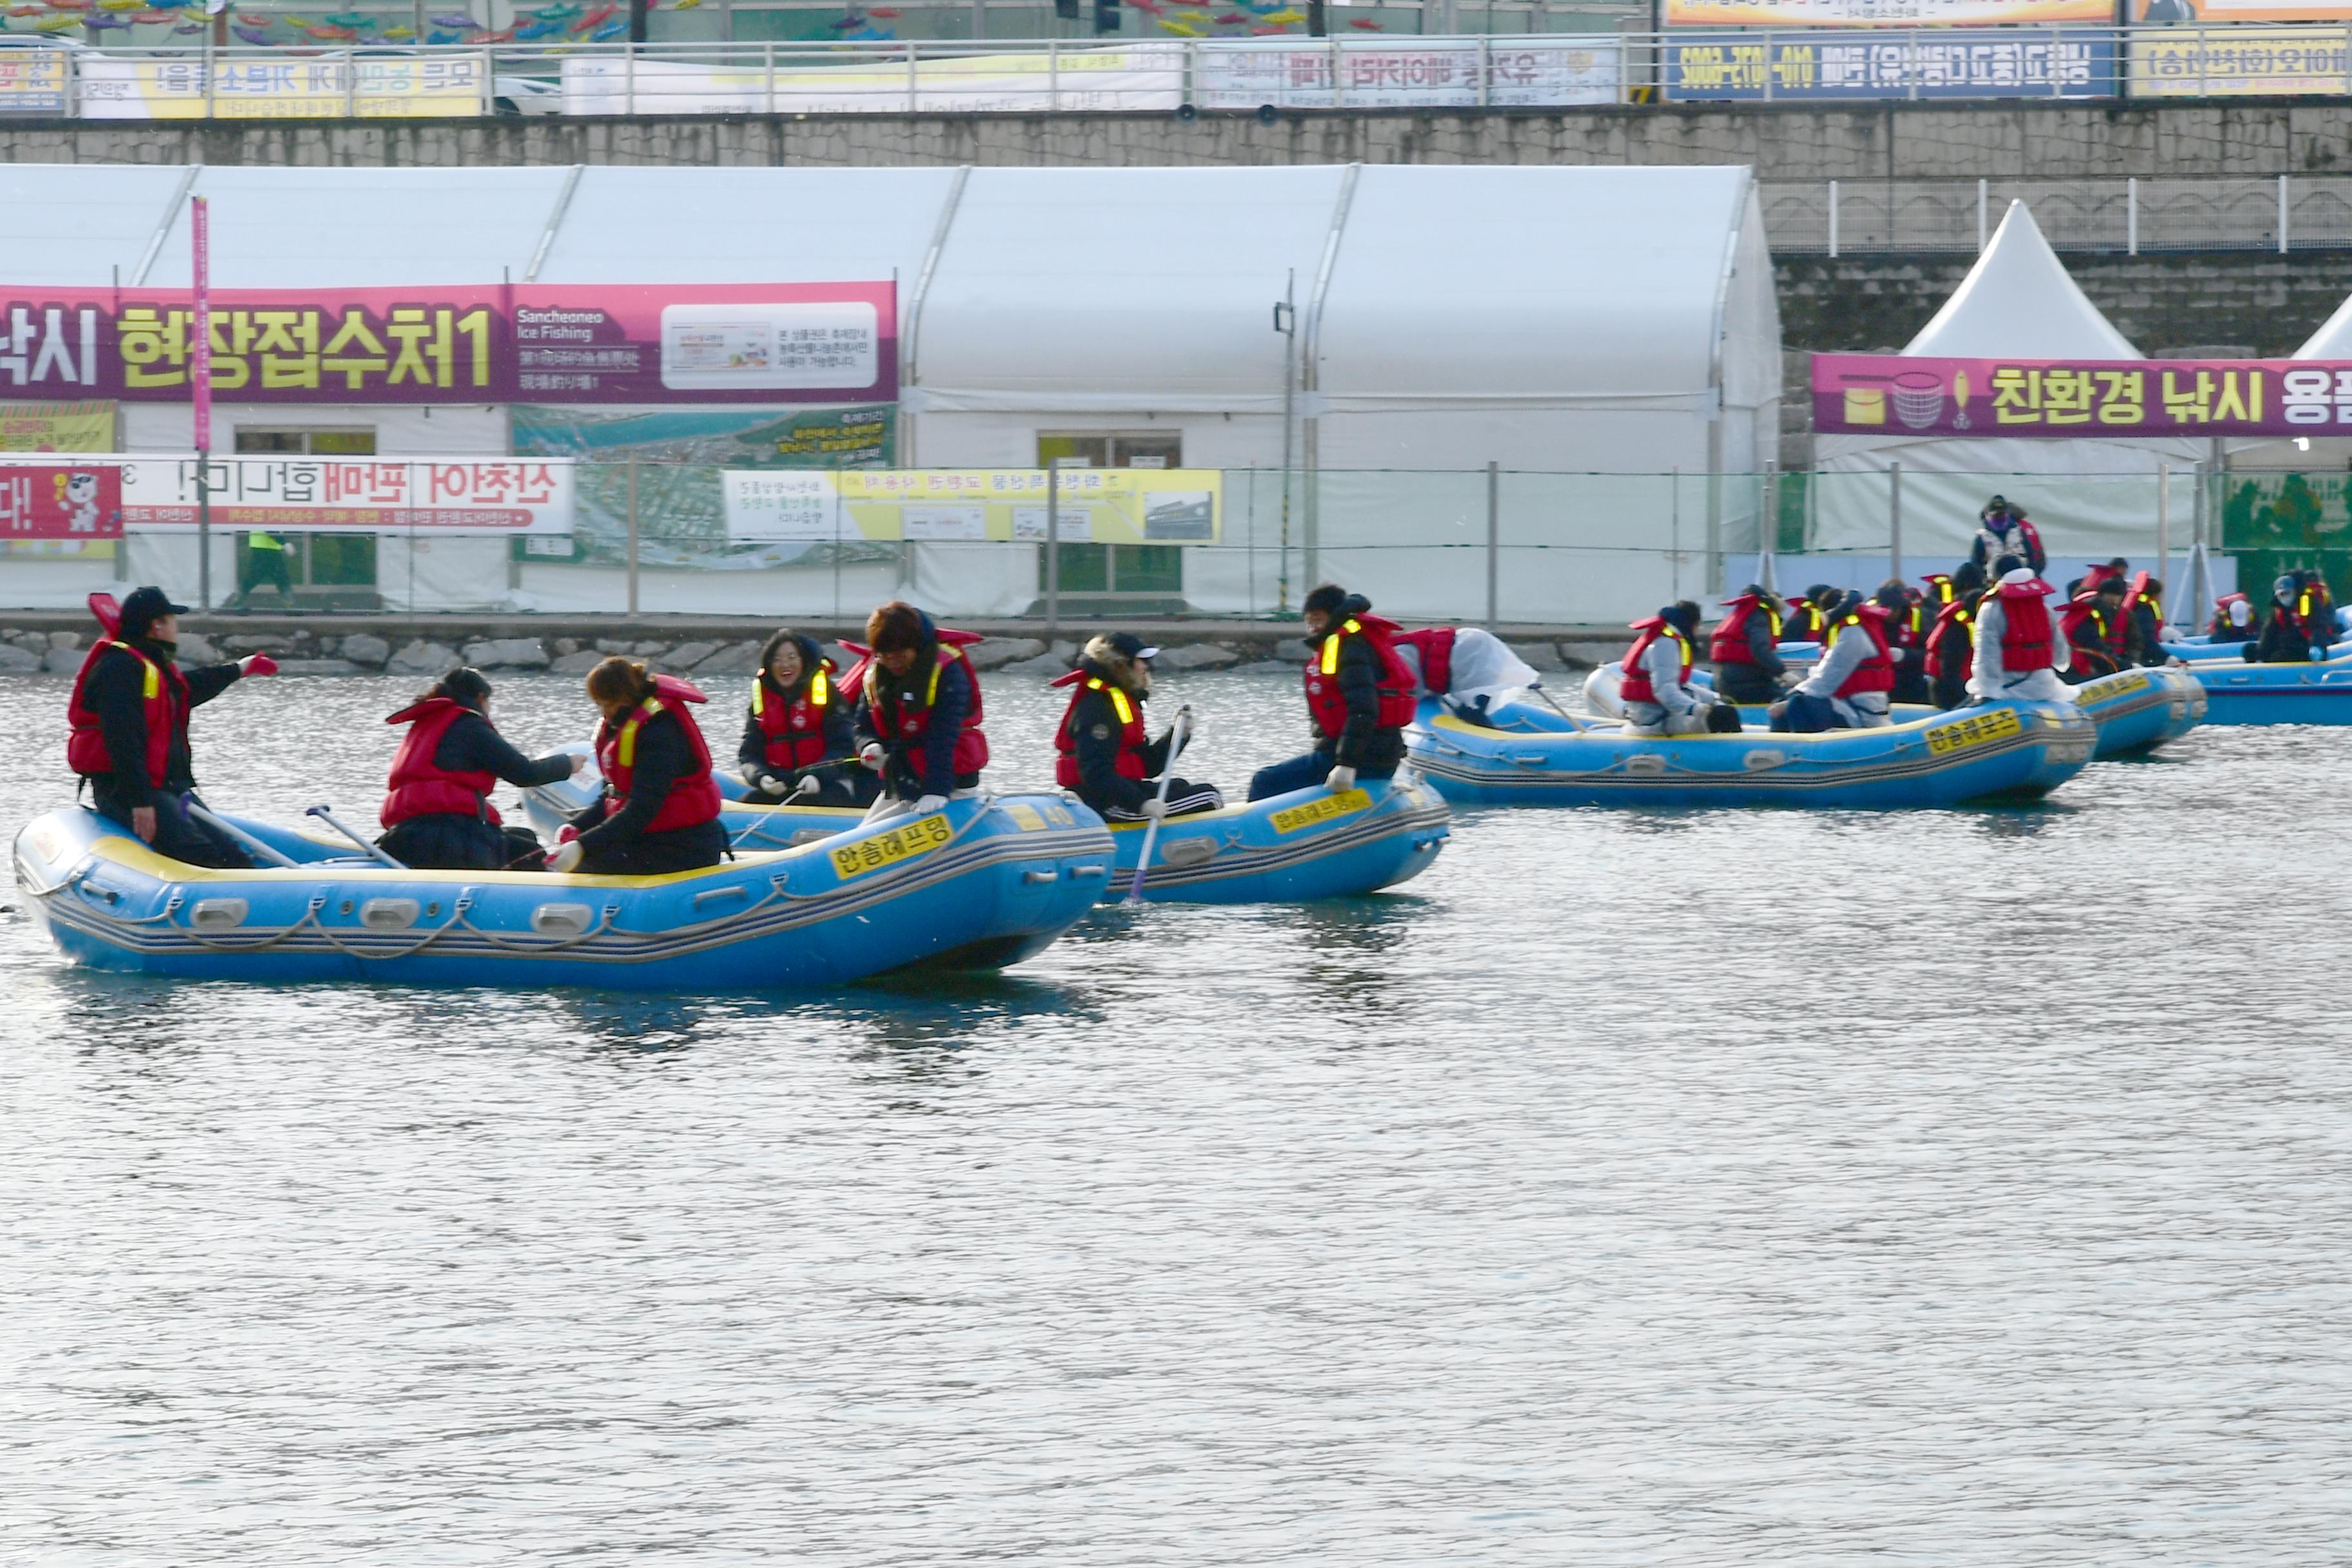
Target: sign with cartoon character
(42,500)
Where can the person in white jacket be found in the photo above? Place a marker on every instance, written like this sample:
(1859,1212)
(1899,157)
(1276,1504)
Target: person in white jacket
(1857,638)
(2019,648)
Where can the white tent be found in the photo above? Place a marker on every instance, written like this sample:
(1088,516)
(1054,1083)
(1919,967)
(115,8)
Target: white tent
(1556,321)
(2089,497)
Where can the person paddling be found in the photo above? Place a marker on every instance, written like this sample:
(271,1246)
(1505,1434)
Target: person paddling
(1102,749)
(660,809)
(437,809)
(128,718)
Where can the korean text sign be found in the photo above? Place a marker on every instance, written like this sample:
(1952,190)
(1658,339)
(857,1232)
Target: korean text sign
(1900,395)
(776,342)
(2056,62)
(318,495)
(1881,13)
(1098,506)
(57,501)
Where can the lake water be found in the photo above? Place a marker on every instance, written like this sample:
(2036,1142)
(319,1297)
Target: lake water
(1697,1188)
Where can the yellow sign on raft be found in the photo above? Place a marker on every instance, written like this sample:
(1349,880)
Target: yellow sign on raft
(2108,686)
(1977,730)
(916,838)
(1347,802)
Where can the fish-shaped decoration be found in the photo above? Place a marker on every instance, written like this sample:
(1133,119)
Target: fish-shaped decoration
(188,30)
(354,19)
(457,20)
(1179,26)
(293,21)
(563,13)
(250,34)
(1363,24)
(121,4)
(70,5)
(399,34)
(887,13)
(1233,18)
(538,29)
(28,10)
(329,35)
(609,31)
(687,5)
(870,34)
(1286,15)
(103,19)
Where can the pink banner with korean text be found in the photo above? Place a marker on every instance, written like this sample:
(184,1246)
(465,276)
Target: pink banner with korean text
(569,343)
(1898,395)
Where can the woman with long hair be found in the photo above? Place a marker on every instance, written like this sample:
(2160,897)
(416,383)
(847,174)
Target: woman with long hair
(659,811)
(436,811)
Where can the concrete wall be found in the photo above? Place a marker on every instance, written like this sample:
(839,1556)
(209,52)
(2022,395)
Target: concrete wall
(1991,140)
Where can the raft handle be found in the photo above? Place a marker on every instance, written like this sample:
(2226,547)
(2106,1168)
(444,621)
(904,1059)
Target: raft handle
(717,894)
(1044,876)
(1076,871)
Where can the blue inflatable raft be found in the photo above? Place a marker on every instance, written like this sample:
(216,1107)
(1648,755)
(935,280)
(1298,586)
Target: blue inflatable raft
(978,886)
(2009,751)
(1311,843)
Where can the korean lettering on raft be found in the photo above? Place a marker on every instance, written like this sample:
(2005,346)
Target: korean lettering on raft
(2057,396)
(303,349)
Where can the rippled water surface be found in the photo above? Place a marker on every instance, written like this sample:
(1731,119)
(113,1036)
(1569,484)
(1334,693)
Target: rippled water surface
(1693,1187)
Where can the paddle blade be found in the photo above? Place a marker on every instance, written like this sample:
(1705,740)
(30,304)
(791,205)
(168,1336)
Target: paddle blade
(109,613)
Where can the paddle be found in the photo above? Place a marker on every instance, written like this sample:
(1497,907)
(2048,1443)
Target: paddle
(109,613)
(326,814)
(1176,735)
(240,835)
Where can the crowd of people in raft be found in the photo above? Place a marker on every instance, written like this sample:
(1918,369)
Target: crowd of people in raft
(900,731)
(1983,632)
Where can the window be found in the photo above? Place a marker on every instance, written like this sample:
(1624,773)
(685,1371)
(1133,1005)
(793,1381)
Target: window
(1124,572)
(305,571)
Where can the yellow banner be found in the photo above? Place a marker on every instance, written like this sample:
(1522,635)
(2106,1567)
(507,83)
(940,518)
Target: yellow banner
(33,81)
(1091,506)
(57,428)
(387,86)
(2238,62)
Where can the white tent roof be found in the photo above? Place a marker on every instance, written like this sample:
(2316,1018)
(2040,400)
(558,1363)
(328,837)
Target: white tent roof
(2334,339)
(2019,299)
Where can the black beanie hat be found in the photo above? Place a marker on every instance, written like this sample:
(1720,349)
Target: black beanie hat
(1328,598)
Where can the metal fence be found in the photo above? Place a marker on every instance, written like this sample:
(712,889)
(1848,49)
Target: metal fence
(1516,547)
(1188,60)
(2276,212)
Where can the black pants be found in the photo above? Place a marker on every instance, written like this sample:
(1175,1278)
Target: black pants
(1745,683)
(446,841)
(1184,799)
(177,835)
(839,785)
(656,853)
(905,781)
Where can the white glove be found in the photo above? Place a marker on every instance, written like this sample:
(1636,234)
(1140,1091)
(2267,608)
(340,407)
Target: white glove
(771,785)
(1155,808)
(1340,778)
(871,755)
(929,804)
(808,785)
(566,858)
(1188,724)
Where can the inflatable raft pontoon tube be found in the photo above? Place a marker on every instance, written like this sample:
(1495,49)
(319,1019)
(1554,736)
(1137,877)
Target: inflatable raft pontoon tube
(2013,751)
(978,886)
(1309,844)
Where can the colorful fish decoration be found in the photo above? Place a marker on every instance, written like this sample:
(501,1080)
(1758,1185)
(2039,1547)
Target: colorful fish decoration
(1286,15)
(151,18)
(329,35)
(457,20)
(352,19)
(1363,24)
(438,36)
(57,24)
(887,13)
(609,31)
(503,35)
(293,21)
(687,5)
(28,10)
(400,35)
(121,4)
(538,30)
(254,36)
(103,19)
(1179,26)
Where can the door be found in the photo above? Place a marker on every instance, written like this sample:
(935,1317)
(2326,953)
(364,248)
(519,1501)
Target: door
(1121,576)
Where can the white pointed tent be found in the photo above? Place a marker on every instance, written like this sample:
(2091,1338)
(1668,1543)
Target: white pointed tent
(2090,496)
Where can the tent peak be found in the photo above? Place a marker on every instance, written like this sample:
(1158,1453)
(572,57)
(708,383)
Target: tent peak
(2019,299)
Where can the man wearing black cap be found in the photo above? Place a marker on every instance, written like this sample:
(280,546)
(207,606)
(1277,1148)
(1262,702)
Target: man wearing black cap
(129,713)
(1359,696)
(1102,747)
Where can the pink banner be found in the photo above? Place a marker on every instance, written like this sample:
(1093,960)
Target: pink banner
(1898,395)
(559,343)
(51,501)
(200,347)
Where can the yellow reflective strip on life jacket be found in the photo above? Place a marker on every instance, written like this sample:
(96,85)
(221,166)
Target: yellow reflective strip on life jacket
(819,694)
(932,697)
(151,683)
(1775,617)
(759,697)
(626,750)
(1119,703)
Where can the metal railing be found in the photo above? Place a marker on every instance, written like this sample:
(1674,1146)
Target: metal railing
(2128,217)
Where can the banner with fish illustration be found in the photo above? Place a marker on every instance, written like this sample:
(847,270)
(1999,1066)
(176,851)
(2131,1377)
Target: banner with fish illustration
(670,344)
(283,86)
(1898,394)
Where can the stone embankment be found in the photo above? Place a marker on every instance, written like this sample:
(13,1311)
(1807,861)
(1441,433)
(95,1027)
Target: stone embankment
(33,645)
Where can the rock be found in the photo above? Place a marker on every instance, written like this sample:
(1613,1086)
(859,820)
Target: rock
(647,649)
(318,667)
(1199,655)
(62,660)
(614,644)
(197,649)
(330,646)
(991,653)
(562,646)
(506,653)
(365,647)
(65,641)
(36,641)
(1542,656)
(735,659)
(422,657)
(15,661)
(253,642)
(579,663)
(684,657)
(1267,667)
(1045,666)
(1297,650)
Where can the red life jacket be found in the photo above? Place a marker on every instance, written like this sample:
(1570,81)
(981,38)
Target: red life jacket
(2220,627)
(2107,635)
(793,727)
(1803,623)
(1955,623)
(904,722)
(1132,736)
(165,696)
(1910,629)
(419,787)
(1729,643)
(694,798)
(1875,672)
(1328,705)
(1940,590)
(1634,686)
(2094,577)
(2026,642)
(1437,646)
